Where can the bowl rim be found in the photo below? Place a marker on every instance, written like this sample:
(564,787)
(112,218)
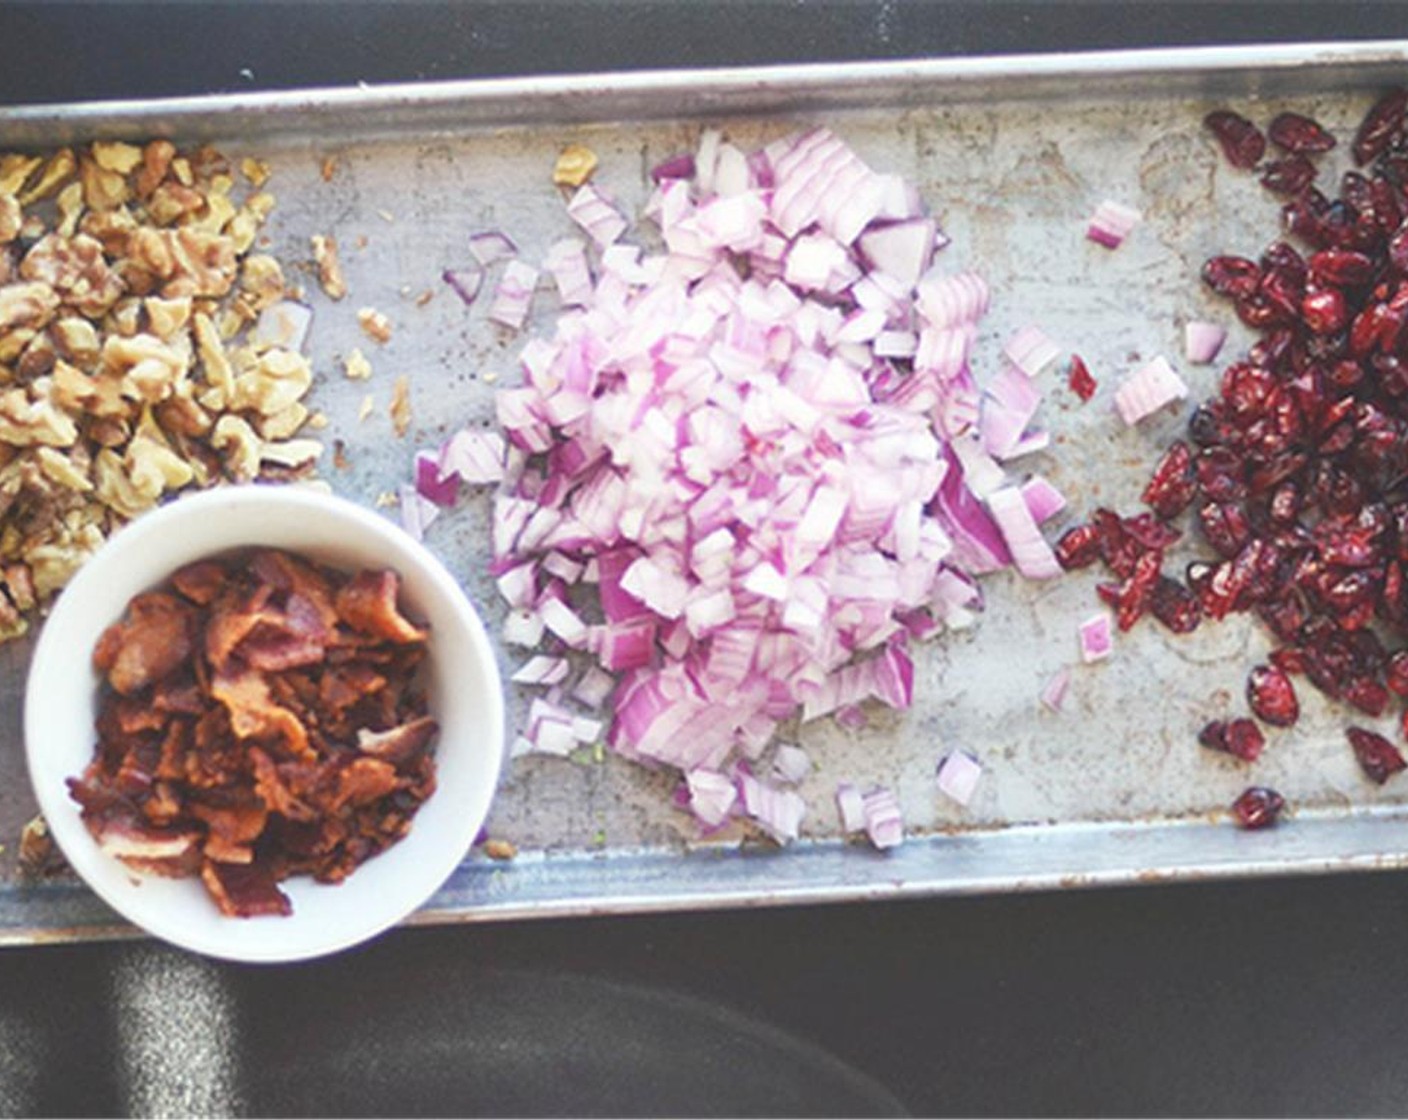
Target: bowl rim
(49,657)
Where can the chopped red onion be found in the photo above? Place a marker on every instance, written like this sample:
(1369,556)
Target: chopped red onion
(958,775)
(676,167)
(852,717)
(1111,223)
(711,796)
(563,621)
(1043,500)
(1202,341)
(1031,351)
(1148,389)
(1053,692)
(1096,638)
(884,823)
(778,811)
(1030,552)
(491,246)
(417,512)
(594,687)
(540,669)
(284,324)
(464,282)
(850,807)
(514,295)
(952,301)
(431,483)
(790,764)
(566,263)
(523,627)
(596,214)
(901,249)
(475,457)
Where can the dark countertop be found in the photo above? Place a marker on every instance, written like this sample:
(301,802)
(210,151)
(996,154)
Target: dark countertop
(1272,997)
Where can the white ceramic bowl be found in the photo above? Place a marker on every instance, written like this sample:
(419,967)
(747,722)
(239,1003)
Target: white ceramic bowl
(465,694)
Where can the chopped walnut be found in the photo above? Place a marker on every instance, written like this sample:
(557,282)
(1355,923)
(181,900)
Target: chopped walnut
(156,162)
(574,166)
(148,368)
(282,424)
(292,452)
(11,218)
(261,283)
(329,266)
(374,324)
(357,366)
(76,269)
(28,423)
(59,170)
(400,409)
(38,854)
(103,189)
(117,156)
(61,469)
(76,340)
(239,446)
(38,357)
(171,202)
(255,170)
(500,849)
(30,305)
(15,171)
(167,318)
(70,207)
(328,168)
(112,228)
(366,408)
(278,379)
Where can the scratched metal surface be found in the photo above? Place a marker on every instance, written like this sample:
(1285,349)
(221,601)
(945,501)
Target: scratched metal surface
(1115,788)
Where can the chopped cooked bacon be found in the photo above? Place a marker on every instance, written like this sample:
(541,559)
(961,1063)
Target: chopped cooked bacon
(289,737)
(200,582)
(244,890)
(368,604)
(253,715)
(152,640)
(398,744)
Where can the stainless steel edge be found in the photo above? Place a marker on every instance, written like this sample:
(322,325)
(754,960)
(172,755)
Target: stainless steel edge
(455,105)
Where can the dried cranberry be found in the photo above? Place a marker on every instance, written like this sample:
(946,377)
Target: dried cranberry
(1219,473)
(1378,758)
(1290,175)
(1289,659)
(1240,737)
(1272,696)
(1242,142)
(1232,276)
(1225,527)
(1080,381)
(1368,695)
(1258,807)
(1173,485)
(1295,133)
(1137,593)
(1149,531)
(1323,310)
(1379,126)
(1078,547)
(1175,606)
(1341,267)
(1397,675)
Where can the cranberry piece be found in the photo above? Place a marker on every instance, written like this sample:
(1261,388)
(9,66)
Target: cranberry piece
(1341,267)
(1175,606)
(1323,310)
(1289,659)
(1173,485)
(1078,547)
(1239,737)
(1219,473)
(1378,758)
(1290,175)
(1232,276)
(1295,133)
(1149,531)
(1242,142)
(1368,695)
(1136,595)
(1379,126)
(1080,381)
(1397,675)
(1225,527)
(1258,807)
(1272,696)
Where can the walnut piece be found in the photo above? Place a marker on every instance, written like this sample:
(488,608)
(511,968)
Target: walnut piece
(400,409)
(76,269)
(374,324)
(30,304)
(357,366)
(329,266)
(11,218)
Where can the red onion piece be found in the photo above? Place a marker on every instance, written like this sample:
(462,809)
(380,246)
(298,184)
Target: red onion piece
(431,484)
(676,167)
(491,246)
(850,807)
(1202,341)
(566,262)
(901,249)
(597,215)
(1096,638)
(958,775)
(514,295)
(285,324)
(1148,389)
(476,458)
(417,512)
(1053,692)
(884,823)
(465,283)
(540,669)
(778,811)
(1111,223)
(712,796)
(790,764)
(1031,351)
(1030,552)
(1043,500)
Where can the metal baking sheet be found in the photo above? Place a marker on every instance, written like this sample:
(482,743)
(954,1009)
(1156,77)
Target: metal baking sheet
(1012,154)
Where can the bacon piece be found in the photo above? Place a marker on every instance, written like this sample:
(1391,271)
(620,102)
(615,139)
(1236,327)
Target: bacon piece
(152,640)
(200,582)
(253,715)
(270,788)
(244,890)
(178,695)
(294,577)
(363,780)
(368,604)
(239,824)
(163,807)
(398,744)
(344,685)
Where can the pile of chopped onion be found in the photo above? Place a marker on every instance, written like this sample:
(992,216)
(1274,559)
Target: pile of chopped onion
(744,472)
